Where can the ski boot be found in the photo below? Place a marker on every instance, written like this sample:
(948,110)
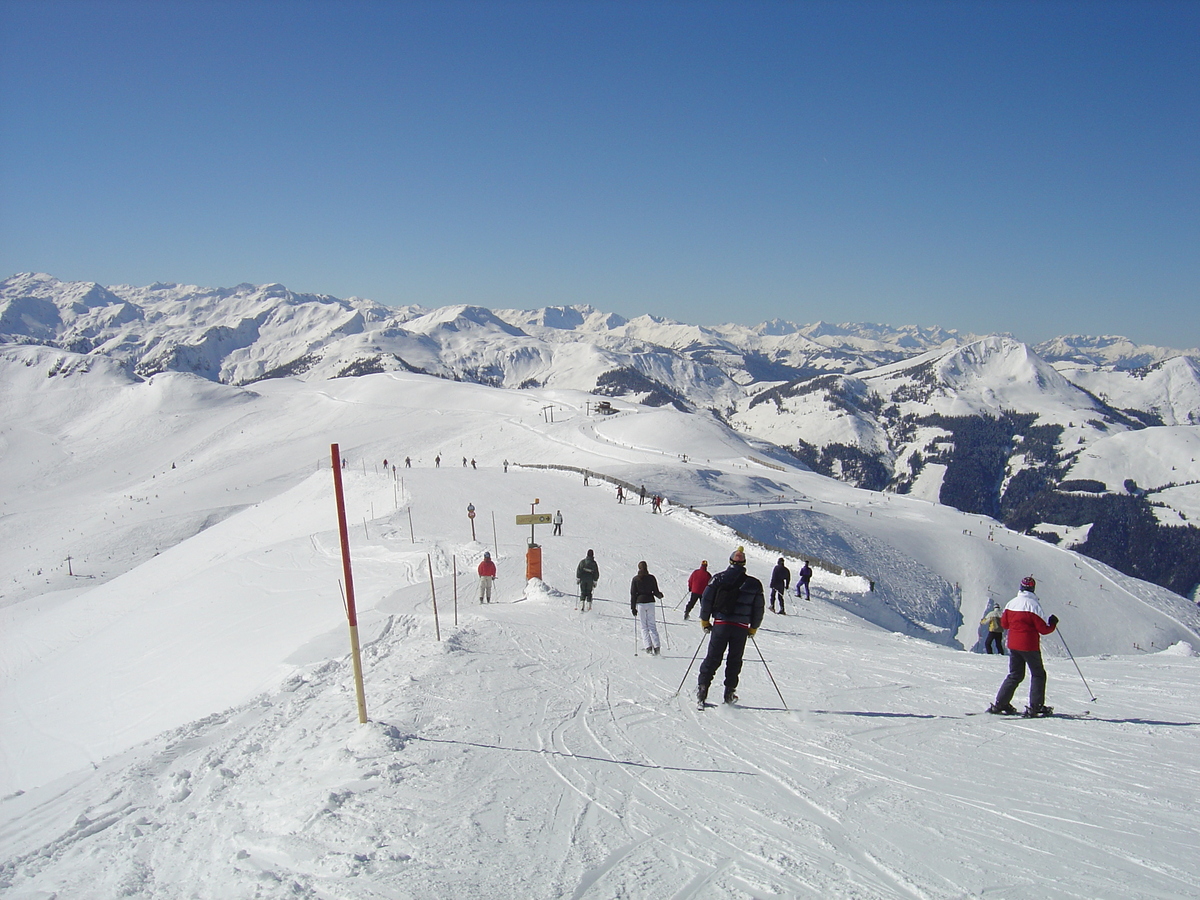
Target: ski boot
(730,697)
(1006,710)
(1036,712)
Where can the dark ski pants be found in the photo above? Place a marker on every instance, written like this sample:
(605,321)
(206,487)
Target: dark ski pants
(1017,661)
(585,591)
(777,594)
(994,637)
(722,638)
(687,610)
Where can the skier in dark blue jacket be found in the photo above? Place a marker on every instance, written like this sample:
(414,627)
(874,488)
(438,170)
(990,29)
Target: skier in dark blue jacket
(730,618)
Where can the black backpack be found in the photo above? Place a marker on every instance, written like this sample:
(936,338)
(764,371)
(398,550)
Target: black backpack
(725,595)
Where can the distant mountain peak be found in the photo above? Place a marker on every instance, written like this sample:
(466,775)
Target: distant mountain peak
(1107,350)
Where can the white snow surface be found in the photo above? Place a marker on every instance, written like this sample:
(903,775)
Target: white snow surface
(1161,461)
(177,704)
(1170,389)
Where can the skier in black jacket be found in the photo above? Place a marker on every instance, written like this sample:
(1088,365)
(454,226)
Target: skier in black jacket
(643,594)
(781,577)
(587,573)
(729,627)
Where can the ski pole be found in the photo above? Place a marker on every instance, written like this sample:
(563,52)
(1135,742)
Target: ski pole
(769,675)
(661,612)
(686,594)
(635,635)
(692,663)
(1077,669)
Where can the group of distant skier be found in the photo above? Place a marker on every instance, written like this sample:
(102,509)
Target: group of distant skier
(732,606)
(731,609)
(656,500)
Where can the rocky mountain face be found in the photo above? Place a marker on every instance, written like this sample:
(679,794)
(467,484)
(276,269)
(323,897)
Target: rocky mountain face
(1088,441)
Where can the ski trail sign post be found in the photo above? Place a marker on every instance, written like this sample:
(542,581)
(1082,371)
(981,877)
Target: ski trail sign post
(351,614)
(533,557)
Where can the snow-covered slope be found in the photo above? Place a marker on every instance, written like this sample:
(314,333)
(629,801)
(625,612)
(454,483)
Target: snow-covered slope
(1169,390)
(984,424)
(879,410)
(177,716)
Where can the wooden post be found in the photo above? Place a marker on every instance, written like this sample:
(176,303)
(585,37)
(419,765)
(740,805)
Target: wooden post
(437,628)
(351,613)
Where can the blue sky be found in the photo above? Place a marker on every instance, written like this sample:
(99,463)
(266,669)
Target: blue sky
(1024,167)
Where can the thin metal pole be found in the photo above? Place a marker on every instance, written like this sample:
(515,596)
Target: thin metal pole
(1077,669)
(769,675)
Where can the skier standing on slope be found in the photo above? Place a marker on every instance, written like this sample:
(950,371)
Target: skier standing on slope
(995,630)
(731,610)
(1022,618)
(587,573)
(781,577)
(697,582)
(643,592)
(487,575)
(805,578)
(558,520)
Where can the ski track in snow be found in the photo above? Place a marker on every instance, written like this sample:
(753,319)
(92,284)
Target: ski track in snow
(590,781)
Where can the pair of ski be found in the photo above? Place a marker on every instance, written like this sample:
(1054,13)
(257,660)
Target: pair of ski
(1023,718)
(702,705)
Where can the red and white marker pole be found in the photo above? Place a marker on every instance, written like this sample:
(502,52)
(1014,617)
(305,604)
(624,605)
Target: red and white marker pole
(351,614)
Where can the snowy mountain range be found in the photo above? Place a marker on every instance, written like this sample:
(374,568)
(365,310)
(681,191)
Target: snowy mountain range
(177,705)
(985,424)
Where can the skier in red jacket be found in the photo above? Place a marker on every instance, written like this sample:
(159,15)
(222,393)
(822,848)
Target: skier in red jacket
(1022,619)
(697,582)
(487,575)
